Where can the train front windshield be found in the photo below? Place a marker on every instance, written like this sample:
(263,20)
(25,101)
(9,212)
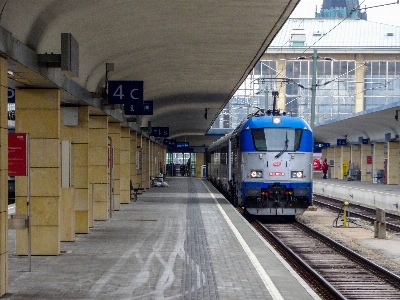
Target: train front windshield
(276,139)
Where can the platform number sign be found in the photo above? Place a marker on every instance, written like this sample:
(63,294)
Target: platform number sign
(170,143)
(160,131)
(125,92)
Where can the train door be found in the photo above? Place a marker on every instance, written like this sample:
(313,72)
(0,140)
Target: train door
(236,173)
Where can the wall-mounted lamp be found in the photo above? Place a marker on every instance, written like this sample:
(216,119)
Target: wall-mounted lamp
(396,116)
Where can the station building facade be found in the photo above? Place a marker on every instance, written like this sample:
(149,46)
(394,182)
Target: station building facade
(357,68)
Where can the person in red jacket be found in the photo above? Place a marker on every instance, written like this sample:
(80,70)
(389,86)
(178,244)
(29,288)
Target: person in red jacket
(324,168)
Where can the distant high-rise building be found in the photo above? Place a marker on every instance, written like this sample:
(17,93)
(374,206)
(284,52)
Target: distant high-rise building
(340,9)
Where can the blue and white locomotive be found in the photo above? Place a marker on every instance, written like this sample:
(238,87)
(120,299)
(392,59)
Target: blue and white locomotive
(265,165)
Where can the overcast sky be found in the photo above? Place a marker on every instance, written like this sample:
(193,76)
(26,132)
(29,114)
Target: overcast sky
(388,14)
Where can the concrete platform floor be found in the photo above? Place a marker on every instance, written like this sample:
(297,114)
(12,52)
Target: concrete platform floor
(179,242)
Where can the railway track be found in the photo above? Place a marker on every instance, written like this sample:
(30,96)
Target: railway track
(359,211)
(334,271)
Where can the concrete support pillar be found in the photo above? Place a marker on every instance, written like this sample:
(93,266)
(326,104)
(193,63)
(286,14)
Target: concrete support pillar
(281,66)
(79,137)
(154,160)
(38,113)
(125,167)
(366,165)
(337,170)
(356,155)
(114,131)
(378,157)
(199,163)
(380,224)
(345,161)
(98,166)
(359,84)
(139,168)
(392,174)
(163,156)
(3,178)
(145,163)
(133,159)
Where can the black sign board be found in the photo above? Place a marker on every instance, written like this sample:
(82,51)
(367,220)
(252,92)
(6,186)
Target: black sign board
(170,143)
(139,109)
(160,131)
(125,92)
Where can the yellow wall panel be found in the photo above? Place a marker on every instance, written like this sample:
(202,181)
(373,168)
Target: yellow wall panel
(3,178)
(45,153)
(3,274)
(81,201)
(3,190)
(98,174)
(98,156)
(3,232)
(21,186)
(44,211)
(3,148)
(45,177)
(75,134)
(100,211)
(46,99)
(98,137)
(100,192)
(114,128)
(41,123)
(81,222)
(67,217)
(125,157)
(21,207)
(45,240)
(98,122)
(117,202)
(80,155)
(125,197)
(125,183)
(81,177)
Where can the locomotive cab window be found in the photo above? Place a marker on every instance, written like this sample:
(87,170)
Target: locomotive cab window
(276,139)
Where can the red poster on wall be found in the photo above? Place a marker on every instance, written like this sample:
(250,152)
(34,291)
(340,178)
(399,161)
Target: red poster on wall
(17,154)
(369,160)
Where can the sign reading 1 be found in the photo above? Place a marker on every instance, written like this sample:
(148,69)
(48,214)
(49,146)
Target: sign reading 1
(139,109)
(125,92)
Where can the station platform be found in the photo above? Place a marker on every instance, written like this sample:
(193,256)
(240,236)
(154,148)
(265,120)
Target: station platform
(383,196)
(184,241)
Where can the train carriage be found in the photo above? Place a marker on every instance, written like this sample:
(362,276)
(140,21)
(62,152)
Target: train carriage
(265,164)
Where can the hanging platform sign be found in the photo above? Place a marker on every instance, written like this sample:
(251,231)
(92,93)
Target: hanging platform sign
(17,154)
(125,92)
(170,143)
(160,131)
(182,145)
(139,109)
(11,95)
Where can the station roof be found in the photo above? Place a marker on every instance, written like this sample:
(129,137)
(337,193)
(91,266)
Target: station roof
(191,55)
(338,34)
(376,124)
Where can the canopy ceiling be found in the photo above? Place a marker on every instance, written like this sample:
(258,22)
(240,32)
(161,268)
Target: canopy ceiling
(191,55)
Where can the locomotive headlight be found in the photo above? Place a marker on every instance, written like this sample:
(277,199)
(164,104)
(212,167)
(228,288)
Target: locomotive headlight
(256,174)
(297,174)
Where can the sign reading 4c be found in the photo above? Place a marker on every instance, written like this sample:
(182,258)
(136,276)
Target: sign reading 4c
(125,92)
